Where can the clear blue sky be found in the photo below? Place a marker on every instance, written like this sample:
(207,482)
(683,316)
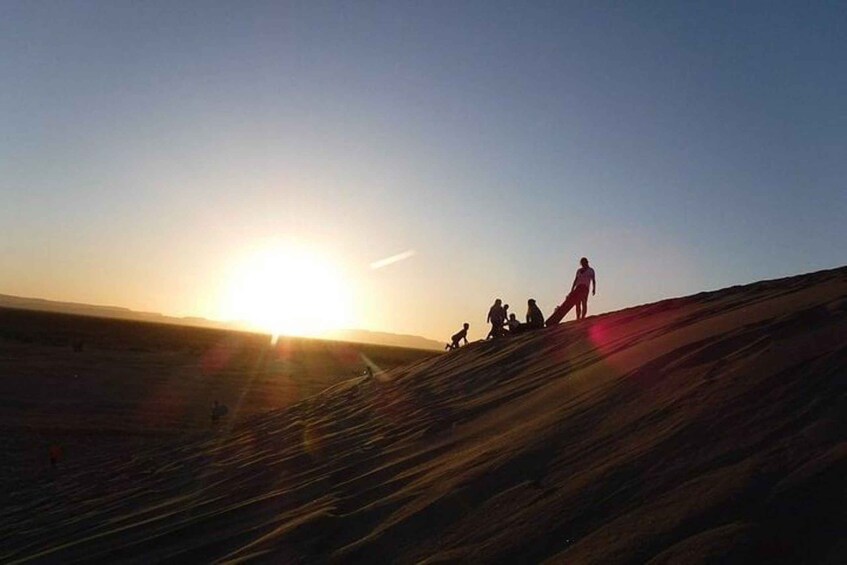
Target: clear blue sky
(680,146)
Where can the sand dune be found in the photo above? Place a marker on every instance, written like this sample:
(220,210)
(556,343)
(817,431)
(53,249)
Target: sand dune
(700,429)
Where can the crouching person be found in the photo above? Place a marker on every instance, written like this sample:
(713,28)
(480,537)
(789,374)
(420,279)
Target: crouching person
(458,336)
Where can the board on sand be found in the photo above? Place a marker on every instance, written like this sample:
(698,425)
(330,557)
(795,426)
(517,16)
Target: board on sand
(561,310)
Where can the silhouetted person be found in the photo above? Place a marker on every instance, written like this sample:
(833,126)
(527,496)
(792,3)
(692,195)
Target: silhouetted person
(462,334)
(514,324)
(496,317)
(218,412)
(534,317)
(584,278)
(56,454)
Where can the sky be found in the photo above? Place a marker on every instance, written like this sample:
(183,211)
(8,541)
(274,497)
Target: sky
(148,150)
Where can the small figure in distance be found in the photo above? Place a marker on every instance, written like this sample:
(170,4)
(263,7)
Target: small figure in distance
(514,324)
(496,317)
(56,455)
(462,334)
(583,279)
(534,317)
(369,373)
(218,412)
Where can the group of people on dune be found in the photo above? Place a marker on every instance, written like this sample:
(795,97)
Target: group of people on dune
(504,323)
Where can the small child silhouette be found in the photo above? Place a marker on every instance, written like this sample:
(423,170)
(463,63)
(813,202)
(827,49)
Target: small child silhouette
(458,336)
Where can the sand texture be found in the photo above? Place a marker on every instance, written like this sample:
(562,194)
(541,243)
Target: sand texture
(711,428)
(134,384)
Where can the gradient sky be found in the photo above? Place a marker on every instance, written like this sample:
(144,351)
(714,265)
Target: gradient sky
(146,146)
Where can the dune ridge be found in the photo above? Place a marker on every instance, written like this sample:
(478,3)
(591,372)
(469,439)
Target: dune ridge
(695,429)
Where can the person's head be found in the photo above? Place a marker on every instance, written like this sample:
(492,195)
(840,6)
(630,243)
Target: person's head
(530,302)
(498,302)
(505,307)
(466,325)
(583,262)
(511,316)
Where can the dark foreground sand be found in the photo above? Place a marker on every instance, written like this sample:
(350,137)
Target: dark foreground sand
(129,385)
(702,429)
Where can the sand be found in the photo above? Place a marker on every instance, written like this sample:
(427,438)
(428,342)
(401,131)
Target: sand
(702,429)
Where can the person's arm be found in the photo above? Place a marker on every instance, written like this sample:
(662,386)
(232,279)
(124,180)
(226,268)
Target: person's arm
(465,337)
(594,283)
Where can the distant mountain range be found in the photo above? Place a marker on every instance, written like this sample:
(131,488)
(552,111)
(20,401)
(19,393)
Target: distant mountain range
(384,338)
(360,336)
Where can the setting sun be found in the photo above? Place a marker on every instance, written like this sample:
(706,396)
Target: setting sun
(289,289)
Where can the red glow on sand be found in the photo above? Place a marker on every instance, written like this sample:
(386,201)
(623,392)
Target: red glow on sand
(600,335)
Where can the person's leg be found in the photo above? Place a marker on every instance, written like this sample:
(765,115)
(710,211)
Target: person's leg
(580,298)
(498,329)
(583,301)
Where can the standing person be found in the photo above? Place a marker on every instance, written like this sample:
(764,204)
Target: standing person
(578,296)
(496,317)
(584,278)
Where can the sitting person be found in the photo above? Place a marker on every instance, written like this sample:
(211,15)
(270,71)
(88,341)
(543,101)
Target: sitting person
(534,317)
(458,336)
(514,324)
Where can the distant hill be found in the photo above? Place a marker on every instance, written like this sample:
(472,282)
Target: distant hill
(352,335)
(42,305)
(384,338)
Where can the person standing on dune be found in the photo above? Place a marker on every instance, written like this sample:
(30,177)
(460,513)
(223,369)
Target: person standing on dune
(584,278)
(496,317)
(578,296)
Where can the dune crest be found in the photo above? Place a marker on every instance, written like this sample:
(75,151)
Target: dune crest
(702,428)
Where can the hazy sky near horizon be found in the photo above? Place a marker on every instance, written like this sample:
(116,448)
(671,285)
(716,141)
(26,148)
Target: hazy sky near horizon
(146,147)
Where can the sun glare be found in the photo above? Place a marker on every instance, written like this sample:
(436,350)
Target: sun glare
(289,290)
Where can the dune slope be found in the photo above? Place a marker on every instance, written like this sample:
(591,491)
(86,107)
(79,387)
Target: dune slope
(698,429)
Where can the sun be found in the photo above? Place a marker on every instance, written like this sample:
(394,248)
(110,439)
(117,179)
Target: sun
(287,289)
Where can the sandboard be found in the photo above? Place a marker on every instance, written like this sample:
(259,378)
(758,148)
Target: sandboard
(561,310)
